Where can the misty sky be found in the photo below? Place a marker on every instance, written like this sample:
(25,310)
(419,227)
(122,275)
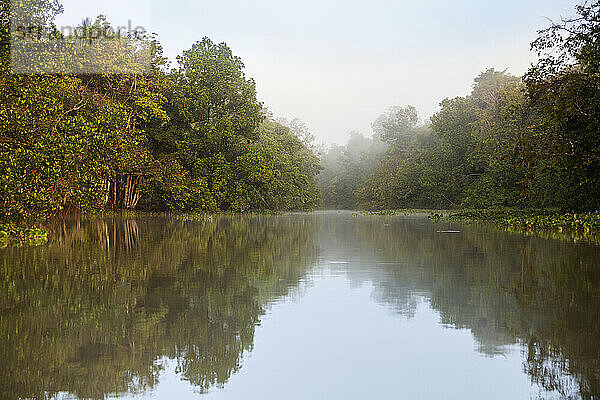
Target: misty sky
(337,65)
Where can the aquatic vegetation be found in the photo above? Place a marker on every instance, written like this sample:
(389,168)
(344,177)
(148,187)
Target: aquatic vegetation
(550,220)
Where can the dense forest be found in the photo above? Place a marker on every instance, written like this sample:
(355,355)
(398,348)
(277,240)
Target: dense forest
(194,137)
(530,142)
(190,138)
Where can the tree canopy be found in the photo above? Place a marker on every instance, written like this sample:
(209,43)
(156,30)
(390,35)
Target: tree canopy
(530,141)
(192,138)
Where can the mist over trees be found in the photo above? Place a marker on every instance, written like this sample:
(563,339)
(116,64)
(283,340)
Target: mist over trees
(531,141)
(346,167)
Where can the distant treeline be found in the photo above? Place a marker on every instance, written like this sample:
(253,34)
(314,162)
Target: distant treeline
(193,138)
(528,142)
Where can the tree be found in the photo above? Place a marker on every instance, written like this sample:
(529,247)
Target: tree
(563,145)
(66,138)
(465,157)
(214,115)
(397,126)
(346,168)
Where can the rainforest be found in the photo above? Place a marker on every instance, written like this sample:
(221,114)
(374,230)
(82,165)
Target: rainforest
(300,200)
(193,137)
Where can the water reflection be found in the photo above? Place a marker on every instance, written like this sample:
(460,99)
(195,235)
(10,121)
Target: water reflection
(505,288)
(114,305)
(97,310)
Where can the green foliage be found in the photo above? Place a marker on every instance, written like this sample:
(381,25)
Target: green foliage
(199,140)
(61,140)
(397,126)
(500,146)
(512,142)
(551,220)
(282,169)
(218,152)
(64,137)
(172,189)
(464,157)
(562,147)
(190,137)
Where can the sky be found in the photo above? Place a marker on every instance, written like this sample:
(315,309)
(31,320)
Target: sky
(338,65)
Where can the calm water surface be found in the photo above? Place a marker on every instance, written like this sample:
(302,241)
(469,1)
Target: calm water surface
(325,305)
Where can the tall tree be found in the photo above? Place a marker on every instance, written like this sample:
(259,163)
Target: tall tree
(564,90)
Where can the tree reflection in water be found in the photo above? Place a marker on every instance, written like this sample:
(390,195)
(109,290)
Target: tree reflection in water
(100,309)
(505,288)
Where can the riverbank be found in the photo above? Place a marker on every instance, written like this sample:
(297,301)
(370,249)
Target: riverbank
(532,220)
(549,220)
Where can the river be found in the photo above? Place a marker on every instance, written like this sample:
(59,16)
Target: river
(324,305)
